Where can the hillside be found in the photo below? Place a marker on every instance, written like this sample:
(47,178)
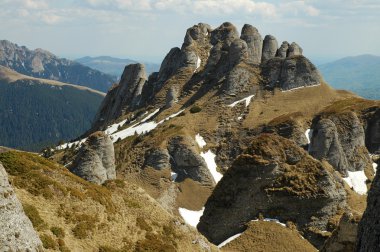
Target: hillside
(37,113)
(358,74)
(113,66)
(43,64)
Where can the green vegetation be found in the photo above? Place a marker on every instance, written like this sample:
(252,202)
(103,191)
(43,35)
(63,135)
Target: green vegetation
(48,242)
(195,109)
(34,115)
(34,216)
(58,232)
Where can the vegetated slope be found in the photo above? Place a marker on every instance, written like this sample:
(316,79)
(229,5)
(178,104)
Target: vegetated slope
(71,214)
(43,64)
(113,66)
(192,136)
(36,113)
(359,74)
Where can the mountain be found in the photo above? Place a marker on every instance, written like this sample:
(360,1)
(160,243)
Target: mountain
(36,113)
(113,66)
(43,64)
(359,74)
(235,144)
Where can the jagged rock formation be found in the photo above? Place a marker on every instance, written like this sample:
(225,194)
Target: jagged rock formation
(343,239)
(182,157)
(340,139)
(282,52)
(16,230)
(368,237)
(95,161)
(254,42)
(122,98)
(270,46)
(372,131)
(43,64)
(277,179)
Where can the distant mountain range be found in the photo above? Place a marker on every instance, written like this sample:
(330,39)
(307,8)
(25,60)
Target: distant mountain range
(360,74)
(43,64)
(114,66)
(35,113)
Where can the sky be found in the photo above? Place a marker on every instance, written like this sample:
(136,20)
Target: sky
(147,29)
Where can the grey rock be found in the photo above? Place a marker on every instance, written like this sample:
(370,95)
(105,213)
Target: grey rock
(95,161)
(259,183)
(16,230)
(226,33)
(271,71)
(325,144)
(340,139)
(238,52)
(298,72)
(283,50)
(368,238)
(343,239)
(159,159)
(186,161)
(124,97)
(270,47)
(254,42)
(197,34)
(171,97)
(294,50)
(170,64)
(238,80)
(372,132)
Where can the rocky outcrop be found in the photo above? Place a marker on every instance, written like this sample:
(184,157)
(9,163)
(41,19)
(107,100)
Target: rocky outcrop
(95,161)
(343,239)
(282,52)
(43,64)
(124,97)
(340,139)
(158,159)
(254,42)
(289,73)
(186,161)
(368,238)
(226,33)
(16,230)
(372,131)
(171,97)
(276,179)
(294,50)
(270,47)
(238,52)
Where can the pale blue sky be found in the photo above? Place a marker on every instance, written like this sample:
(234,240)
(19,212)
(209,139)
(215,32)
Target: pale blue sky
(147,29)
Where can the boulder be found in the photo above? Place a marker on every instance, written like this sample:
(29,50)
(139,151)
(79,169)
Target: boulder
(238,52)
(16,230)
(368,237)
(226,33)
(283,50)
(95,161)
(254,42)
(171,97)
(294,50)
(270,47)
(187,162)
(343,239)
(157,158)
(276,179)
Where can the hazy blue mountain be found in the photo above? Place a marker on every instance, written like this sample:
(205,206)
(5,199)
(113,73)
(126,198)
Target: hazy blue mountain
(360,74)
(40,63)
(35,113)
(114,66)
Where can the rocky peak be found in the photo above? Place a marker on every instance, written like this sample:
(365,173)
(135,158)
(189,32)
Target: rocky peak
(95,161)
(294,50)
(254,42)
(270,47)
(16,230)
(282,52)
(226,33)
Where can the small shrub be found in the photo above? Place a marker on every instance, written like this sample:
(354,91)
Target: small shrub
(57,231)
(83,229)
(195,109)
(142,224)
(182,113)
(34,216)
(48,242)
(62,246)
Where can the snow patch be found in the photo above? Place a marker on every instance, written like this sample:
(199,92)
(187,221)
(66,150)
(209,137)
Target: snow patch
(145,127)
(191,217)
(200,141)
(357,181)
(300,88)
(69,145)
(199,62)
(209,157)
(246,99)
(374,166)
(229,240)
(308,134)
(273,220)
(173,176)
